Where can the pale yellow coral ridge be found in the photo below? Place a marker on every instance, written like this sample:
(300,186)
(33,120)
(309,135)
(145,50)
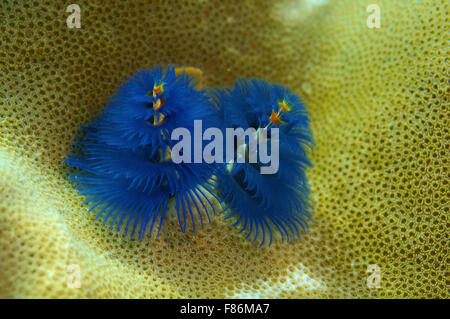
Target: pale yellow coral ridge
(378,100)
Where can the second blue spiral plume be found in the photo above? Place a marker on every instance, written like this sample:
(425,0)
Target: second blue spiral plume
(261,203)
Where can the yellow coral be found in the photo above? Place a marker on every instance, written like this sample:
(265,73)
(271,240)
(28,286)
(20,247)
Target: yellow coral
(378,100)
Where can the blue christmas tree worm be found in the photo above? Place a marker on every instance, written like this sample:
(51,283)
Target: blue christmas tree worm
(124,164)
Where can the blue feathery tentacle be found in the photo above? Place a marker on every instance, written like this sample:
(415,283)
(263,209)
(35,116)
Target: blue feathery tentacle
(124,167)
(261,203)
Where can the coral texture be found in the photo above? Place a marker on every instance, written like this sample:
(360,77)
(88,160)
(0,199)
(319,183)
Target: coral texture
(378,101)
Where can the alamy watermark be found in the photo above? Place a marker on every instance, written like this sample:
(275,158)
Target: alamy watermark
(374,278)
(74,19)
(256,150)
(374,19)
(74,278)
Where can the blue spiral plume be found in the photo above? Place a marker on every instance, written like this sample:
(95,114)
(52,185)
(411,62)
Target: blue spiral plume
(124,165)
(261,203)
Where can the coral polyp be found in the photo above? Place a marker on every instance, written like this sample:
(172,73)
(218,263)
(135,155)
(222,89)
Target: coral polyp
(260,203)
(124,164)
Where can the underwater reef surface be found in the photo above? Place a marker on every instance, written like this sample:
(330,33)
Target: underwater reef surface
(378,101)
